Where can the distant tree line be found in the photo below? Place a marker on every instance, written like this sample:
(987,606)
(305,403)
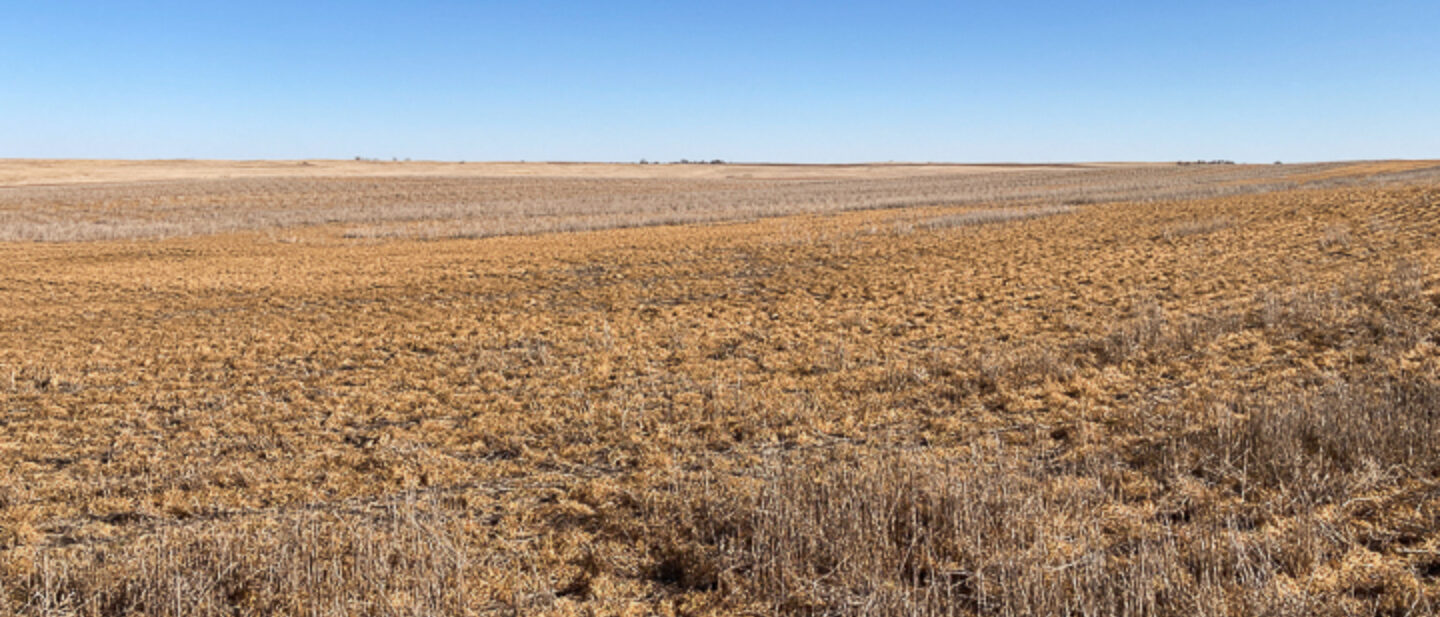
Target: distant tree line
(1214,162)
(684,162)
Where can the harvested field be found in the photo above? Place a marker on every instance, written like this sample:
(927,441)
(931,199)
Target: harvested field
(1117,390)
(431,201)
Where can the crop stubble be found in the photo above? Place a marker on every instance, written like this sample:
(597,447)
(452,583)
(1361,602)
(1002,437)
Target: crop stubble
(1209,406)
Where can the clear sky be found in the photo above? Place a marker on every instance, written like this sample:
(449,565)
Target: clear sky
(623,80)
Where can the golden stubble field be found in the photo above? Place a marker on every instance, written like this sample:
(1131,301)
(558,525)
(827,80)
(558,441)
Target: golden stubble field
(1204,406)
(73,201)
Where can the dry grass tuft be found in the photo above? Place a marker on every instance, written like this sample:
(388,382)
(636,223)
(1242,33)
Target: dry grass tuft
(399,562)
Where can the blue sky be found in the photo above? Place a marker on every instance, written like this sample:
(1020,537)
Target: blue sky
(748,81)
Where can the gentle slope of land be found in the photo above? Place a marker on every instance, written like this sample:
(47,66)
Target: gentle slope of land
(1147,391)
(151,199)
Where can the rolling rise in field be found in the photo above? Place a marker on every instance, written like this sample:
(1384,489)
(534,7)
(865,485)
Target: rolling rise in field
(401,205)
(680,418)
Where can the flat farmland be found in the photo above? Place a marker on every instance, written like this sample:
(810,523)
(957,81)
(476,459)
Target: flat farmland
(88,200)
(350,388)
